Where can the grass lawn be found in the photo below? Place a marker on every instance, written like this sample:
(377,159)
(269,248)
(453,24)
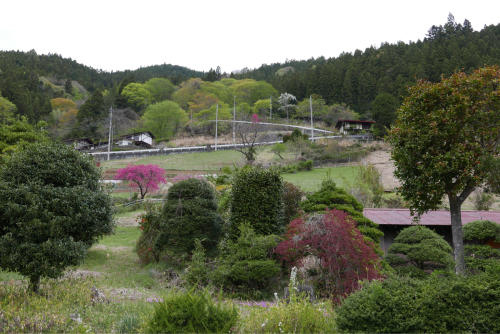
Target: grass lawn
(311,180)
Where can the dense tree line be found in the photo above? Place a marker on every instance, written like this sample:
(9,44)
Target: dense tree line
(356,79)
(20,83)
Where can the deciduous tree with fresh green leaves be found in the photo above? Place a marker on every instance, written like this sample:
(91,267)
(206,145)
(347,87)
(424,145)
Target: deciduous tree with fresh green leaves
(444,133)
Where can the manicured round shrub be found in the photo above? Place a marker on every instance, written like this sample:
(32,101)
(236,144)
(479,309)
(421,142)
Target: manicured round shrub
(53,209)
(450,304)
(421,248)
(257,200)
(485,232)
(334,198)
(192,312)
(190,213)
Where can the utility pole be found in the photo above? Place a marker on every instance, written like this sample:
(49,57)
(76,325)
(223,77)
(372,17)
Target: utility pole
(311,106)
(234,120)
(191,122)
(271,107)
(110,126)
(216,116)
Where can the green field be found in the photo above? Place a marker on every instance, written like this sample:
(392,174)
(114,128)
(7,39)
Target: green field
(311,180)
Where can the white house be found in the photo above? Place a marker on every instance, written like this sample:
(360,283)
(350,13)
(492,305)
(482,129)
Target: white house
(349,125)
(144,139)
(81,143)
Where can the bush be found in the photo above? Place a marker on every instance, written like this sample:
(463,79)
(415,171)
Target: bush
(450,304)
(149,223)
(301,166)
(331,197)
(248,261)
(197,272)
(482,200)
(192,312)
(334,240)
(190,213)
(257,199)
(291,197)
(53,209)
(294,316)
(482,255)
(129,323)
(422,248)
(367,186)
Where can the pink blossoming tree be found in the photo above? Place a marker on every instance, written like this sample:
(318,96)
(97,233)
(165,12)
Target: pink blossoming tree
(146,178)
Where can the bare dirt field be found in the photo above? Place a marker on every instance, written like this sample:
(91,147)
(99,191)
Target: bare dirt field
(381,160)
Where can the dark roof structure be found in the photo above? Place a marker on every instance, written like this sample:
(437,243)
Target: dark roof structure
(433,218)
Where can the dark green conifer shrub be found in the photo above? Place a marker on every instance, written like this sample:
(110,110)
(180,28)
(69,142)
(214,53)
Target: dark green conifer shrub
(149,223)
(257,200)
(480,255)
(422,249)
(331,197)
(190,213)
(291,197)
(192,312)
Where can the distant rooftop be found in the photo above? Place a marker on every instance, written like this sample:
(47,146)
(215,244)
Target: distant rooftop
(439,217)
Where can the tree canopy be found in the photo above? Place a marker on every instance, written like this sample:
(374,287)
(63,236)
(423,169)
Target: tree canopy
(443,134)
(163,119)
(53,209)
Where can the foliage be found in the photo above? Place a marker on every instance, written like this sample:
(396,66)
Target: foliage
(190,213)
(145,178)
(164,119)
(54,209)
(15,136)
(334,198)
(300,166)
(292,196)
(257,199)
(384,112)
(89,115)
(192,312)
(137,95)
(278,149)
(149,223)
(293,316)
(482,200)
(129,323)
(182,177)
(286,103)
(367,186)
(439,141)
(161,89)
(421,248)
(7,109)
(346,258)
(197,271)
(480,256)
(62,104)
(449,304)
(247,262)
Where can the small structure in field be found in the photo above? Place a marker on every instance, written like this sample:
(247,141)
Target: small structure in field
(346,126)
(81,144)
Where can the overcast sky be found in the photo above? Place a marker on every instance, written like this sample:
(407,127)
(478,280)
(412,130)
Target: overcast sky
(119,35)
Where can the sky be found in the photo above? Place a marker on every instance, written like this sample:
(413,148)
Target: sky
(119,35)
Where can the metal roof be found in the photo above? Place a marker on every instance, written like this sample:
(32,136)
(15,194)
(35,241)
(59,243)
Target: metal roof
(439,217)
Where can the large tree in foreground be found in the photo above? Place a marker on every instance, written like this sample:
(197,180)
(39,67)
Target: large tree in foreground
(444,136)
(52,210)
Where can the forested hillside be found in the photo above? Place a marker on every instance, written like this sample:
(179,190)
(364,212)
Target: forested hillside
(22,83)
(75,99)
(357,78)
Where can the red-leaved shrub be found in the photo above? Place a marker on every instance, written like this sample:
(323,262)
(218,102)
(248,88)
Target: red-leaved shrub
(346,258)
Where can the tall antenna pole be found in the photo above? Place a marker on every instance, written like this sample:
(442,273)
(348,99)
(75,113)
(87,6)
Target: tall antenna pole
(234,120)
(216,116)
(271,107)
(110,126)
(311,106)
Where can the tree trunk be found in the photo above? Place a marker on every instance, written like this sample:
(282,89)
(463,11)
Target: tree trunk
(457,233)
(34,284)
